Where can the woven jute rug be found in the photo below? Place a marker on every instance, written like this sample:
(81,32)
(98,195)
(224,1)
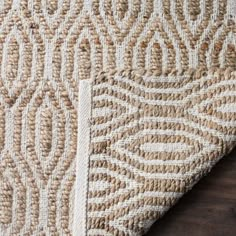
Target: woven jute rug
(110,110)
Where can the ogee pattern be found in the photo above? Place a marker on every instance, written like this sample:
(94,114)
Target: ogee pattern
(46,47)
(152,137)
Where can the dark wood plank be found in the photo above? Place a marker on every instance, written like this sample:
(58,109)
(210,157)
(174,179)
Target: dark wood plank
(209,209)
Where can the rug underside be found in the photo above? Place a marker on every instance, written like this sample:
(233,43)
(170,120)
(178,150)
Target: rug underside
(151,138)
(152,113)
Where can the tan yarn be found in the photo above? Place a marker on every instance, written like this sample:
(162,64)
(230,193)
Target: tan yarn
(153,137)
(46,48)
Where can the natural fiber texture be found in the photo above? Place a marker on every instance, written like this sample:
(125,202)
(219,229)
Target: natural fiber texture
(46,47)
(152,138)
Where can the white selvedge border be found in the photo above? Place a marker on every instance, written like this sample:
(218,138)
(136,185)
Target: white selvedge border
(82,159)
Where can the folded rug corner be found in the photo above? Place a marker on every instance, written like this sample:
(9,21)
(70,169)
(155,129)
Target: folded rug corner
(145,139)
(88,144)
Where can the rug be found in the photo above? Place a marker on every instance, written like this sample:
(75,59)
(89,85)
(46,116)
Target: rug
(110,110)
(145,139)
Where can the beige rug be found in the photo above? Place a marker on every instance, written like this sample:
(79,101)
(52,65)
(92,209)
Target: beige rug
(145,141)
(154,110)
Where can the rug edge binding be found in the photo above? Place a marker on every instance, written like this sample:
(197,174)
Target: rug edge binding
(82,159)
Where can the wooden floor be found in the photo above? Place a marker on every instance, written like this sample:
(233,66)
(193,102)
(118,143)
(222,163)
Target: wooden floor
(209,209)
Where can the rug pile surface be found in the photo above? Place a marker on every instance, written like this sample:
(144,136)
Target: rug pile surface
(110,110)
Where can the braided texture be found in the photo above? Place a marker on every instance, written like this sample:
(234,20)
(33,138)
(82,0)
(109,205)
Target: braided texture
(152,138)
(46,48)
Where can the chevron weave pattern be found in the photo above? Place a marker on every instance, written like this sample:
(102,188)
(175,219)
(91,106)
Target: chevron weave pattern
(152,138)
(46,48)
